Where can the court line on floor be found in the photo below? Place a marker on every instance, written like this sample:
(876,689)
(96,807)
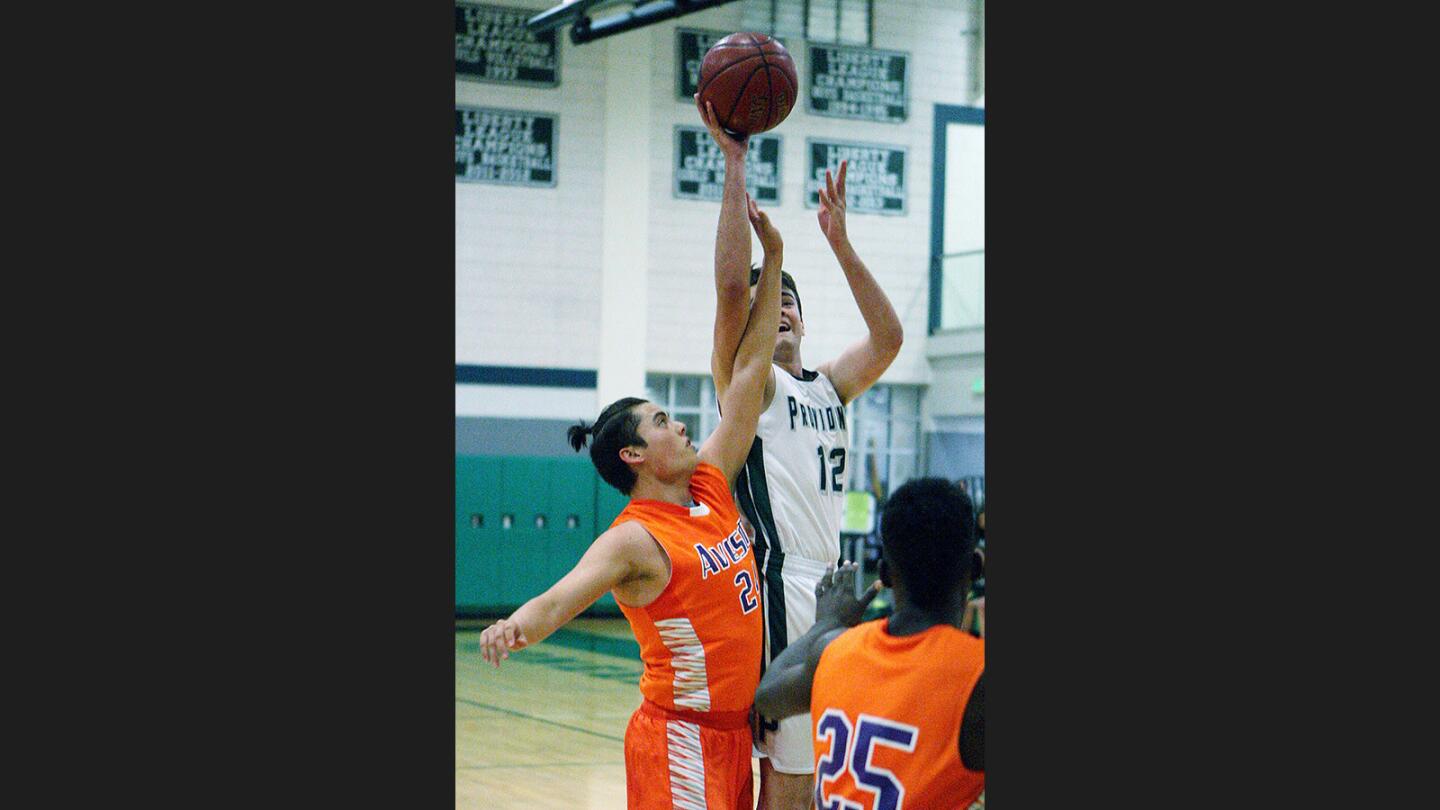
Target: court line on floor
(538,765)
(538,719)
(613,646)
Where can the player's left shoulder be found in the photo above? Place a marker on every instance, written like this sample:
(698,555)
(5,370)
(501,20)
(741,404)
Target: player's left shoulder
(824,376)
(709,486)
(965,646)
(706,474)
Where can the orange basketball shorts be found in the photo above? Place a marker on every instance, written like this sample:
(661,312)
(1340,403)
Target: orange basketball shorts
(687,760)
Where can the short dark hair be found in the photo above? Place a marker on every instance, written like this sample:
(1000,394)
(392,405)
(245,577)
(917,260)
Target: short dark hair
(615,428)
(928,533)
(786,282)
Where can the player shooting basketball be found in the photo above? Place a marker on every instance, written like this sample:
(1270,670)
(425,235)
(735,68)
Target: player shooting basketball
(679,562)
(897,705)
(793,486)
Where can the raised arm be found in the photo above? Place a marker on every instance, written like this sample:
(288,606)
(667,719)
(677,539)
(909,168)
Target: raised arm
(622,554)
(732,252)
(861,364)
(773,262)
(785,689)
(741,402)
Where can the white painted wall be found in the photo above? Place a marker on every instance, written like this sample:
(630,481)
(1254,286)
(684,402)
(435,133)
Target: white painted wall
(527,269)
(957,360)
(530,263)
(625,216)
(528,401)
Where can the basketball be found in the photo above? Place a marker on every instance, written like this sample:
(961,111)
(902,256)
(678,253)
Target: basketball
(750,81)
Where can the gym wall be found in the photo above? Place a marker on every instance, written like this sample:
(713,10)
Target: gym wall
(529,260)
(532,266)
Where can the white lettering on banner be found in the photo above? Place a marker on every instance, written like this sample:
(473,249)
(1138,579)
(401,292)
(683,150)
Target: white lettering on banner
(700,167)
(874,176)
(502,146)
(859,84)
(499,40)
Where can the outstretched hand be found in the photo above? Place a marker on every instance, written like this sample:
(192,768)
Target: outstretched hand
(835,602)
(769,237)
(832,206)
(732,146)
(497,640)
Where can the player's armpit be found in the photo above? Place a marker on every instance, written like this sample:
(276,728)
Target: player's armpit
(858,367)
(861,364)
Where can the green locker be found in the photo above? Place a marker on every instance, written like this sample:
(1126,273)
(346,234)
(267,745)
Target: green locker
(608,503)
(501,564)
(572,498)
(467,537)
(513,544)
(572,510)
(548,556)
(477,488)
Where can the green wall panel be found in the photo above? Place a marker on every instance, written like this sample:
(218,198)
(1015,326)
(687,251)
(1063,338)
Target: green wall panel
(521,574)
(608,502)
(497,568)
(477,488)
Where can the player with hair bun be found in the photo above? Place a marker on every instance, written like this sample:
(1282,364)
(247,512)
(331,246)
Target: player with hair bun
(678,560)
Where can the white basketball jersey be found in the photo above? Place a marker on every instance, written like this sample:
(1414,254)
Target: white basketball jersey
(792,488)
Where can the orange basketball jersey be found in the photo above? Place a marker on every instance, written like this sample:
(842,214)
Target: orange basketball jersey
(700,640)
(886,713)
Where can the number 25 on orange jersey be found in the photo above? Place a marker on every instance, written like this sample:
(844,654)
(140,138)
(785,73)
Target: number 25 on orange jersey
(851,747)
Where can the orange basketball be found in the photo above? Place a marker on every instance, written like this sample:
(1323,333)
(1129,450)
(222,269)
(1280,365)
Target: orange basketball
(751,82)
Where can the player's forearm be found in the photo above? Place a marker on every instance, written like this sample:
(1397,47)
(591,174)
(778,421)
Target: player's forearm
(757,345)
(542,616)
(732,273)
(784,691)
(722,368)
(732,235)
(742,400)
(785,688)
(880,317)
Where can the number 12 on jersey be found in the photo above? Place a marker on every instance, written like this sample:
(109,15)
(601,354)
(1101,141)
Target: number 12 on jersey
(851,748)
(837,471)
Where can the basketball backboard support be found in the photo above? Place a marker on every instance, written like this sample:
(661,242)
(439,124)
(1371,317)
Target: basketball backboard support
(566,12)
(576,14)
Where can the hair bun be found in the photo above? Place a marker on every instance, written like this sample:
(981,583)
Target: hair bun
(576,434)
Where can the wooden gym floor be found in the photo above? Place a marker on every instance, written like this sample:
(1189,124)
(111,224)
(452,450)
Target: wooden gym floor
(546,730)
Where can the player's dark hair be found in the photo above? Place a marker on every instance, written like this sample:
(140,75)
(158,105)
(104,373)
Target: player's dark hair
(928,533)
(786,282)
(613,429)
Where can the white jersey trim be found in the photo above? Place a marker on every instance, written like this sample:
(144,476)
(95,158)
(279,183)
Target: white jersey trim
(687,765)
(687,661)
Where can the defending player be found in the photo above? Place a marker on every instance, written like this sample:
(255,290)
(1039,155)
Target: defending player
(793,487)
(897,704)
(679,562)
